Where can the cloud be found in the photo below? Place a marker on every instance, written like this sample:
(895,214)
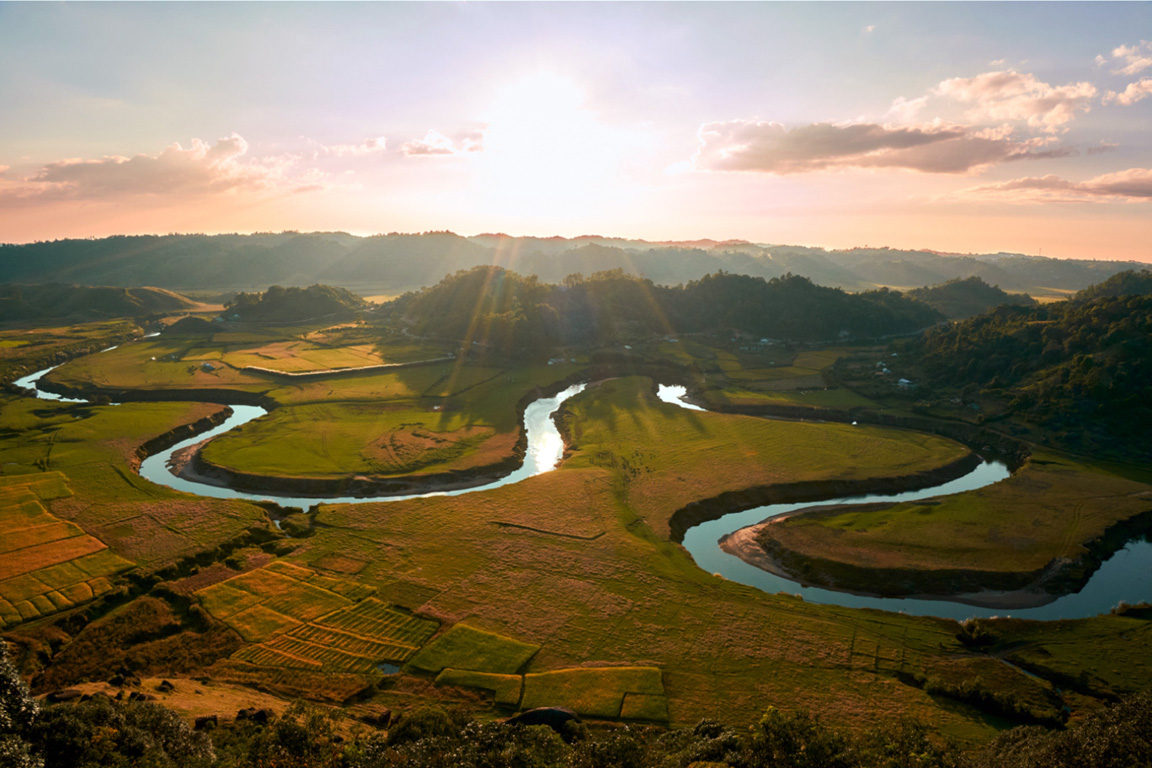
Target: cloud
(767,147)
(1101,148)
(1137,57)
(869,29)
(1133,185)
(1132,94)
(366,147)
(200,169)
(436,144)
(1011,95)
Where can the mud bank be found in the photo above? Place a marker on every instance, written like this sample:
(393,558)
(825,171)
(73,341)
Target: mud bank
(761,495)
(178,434)
(756,546)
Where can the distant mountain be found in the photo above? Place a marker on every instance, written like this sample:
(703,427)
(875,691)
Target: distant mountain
(958,299)
(396,262)
(76,303)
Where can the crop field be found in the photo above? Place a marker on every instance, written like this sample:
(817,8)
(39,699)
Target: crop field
(27,350)
(1045,511)
(94,449)
(615,692)
(297,618)
(464,647)
(46,564)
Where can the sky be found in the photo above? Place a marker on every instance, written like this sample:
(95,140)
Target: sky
(956,127)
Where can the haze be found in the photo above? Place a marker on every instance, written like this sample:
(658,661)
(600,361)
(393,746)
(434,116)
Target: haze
(955,127)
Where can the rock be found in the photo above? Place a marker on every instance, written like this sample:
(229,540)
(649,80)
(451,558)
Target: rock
(116,680)
(259,716)
(165,687)
(68,694)
(377,719)
(206,723)
(558,719)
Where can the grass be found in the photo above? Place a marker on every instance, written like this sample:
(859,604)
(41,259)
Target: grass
(1049,509)
(673,455)
(425,420)
(464,647)
(596,692)
(505,689)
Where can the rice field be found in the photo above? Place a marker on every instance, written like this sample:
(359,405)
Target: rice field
(464,647)
(614,692)
(46,564)
(298,619)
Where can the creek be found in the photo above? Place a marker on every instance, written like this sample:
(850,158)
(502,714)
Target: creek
(1123,577)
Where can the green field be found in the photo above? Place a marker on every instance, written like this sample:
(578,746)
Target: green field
(564,589)
(46,564)
(1048,510)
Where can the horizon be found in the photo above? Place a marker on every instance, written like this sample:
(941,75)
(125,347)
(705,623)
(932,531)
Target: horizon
(956,129)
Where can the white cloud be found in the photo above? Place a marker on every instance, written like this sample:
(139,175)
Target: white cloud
(200,169)
(1133,185)
(1011,95)
(366,147)
(768,147)
(436,144)
(1132,94)
(1136,58)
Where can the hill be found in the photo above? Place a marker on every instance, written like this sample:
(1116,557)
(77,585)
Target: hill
(1130,282)
(76,303)
(289,305)
(958,299)
(515,314)
(1081,369)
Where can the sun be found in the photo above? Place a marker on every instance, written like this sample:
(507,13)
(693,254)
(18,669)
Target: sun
(546,152)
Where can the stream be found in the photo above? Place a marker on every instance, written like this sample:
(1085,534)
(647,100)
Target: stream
(1123,577)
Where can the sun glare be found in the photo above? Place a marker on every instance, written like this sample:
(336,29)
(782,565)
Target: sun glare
(546,153)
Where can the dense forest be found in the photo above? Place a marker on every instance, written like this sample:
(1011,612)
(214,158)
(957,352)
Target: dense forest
(517,315)
(397,261)
(1081,368)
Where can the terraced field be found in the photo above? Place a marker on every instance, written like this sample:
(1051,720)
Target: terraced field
(299,619)
(46,564)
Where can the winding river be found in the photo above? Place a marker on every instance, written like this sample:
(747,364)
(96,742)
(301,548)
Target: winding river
(1123,577)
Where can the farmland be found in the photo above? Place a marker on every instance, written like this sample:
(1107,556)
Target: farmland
(566,588)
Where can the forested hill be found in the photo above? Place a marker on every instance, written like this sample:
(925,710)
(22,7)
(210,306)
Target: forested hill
(1130,282)
(289,305)
(958,299)
(396,262)
(521,315)
(1082,369)
(74,303)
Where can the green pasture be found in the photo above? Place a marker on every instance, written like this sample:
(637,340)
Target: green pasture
(505,689)
(597,691)
(464,647)
(1047,510)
